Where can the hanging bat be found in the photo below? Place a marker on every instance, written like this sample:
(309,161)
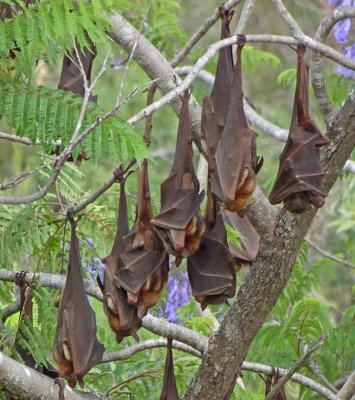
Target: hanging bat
(71,76)
(236,164)
(122,316)
(144,264)
(211,269)
(245,255)
(215,106)
(169,391)
(75,348)
(179,223)
(299,179)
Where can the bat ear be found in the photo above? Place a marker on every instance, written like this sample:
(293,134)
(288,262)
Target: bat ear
(259,164)
(100,284)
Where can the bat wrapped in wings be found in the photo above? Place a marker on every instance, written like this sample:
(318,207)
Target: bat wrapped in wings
(211,269)
(215,106)
(249,242)
(122,316)
(299,179)
(169,391)
(75,348)
(143,264)
(235,162)
(179,223)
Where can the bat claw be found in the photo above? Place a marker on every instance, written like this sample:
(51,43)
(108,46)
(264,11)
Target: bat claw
(241,39)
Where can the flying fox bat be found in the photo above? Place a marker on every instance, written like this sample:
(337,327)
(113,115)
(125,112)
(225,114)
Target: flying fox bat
(270,382)
(179,223)
(122,316)
(235,163)
(215,106)
(249,249)
(299,179)
(169,391)
(75,348)
(143,264)
(211,269)
(71,77)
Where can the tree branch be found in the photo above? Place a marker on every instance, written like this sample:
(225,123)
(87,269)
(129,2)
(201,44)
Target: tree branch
(281,383)
(246,13)
(348,390)
(27,383)
(316,61)
(201,32)
(147,344)
(327,254)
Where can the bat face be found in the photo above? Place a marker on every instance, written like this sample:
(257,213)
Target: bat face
(235,163)
(122,316)
(179,223)
(210,269)
(143,265)
(76,348)
(249,242)
(169,391)
(299,179)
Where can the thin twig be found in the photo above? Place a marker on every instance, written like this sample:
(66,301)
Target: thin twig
(281,383)
(315,370)
(201,32)
(21,178)
(347,392)
(244,16)
(327,254)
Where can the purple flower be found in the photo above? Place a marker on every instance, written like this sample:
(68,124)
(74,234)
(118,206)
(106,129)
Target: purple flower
(341,30)
(96,267)
(118,62)
(90,243)
(348,52)
(179,293)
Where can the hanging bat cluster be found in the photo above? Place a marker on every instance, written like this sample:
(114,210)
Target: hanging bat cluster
(136,270)
(143,265)
(122,316)
(299,179)
(75,348)
(179,223)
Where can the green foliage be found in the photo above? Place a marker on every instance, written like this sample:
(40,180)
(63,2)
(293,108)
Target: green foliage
(41,30)
(288,78)
(233,236)
(255,58)
(47,114)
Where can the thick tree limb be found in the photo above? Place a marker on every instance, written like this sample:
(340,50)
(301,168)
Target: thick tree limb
(26,383)
(347,392)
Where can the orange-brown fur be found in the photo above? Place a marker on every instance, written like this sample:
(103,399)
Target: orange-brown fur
(242,196)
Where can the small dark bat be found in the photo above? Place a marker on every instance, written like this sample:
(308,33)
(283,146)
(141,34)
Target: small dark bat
(299,179)
(75,348)
(215,106)
(169,391)
(122,316)
(71,77)
(179,223)
(245,255)
(211,269)
(235,163)
(144,264)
